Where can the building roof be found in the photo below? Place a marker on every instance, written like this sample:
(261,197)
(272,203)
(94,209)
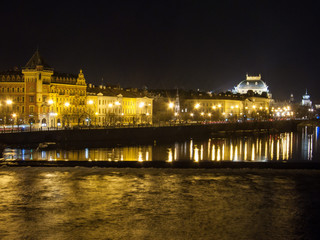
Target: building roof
(254,83)
(108,91)
(37,60)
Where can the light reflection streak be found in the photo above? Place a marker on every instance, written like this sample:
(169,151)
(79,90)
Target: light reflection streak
(196,154)
(169,155)
(278,149)
(252,153)
(231,153)
(222,157)
(218,154)
(191,149)
(236,153)
(213,152)
(245,151)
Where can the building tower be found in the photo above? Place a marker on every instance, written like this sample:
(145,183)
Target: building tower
(306,100)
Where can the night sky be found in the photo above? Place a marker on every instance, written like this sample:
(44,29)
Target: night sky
(190,44)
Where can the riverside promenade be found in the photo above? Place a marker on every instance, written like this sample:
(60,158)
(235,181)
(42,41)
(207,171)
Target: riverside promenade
(132,135)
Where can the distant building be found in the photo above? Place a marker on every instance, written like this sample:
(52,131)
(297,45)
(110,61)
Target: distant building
(291,98)
(306,100)
(253,83)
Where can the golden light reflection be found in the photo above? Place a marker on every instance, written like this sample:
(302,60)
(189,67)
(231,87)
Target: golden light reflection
(196,154)
(252,153)
(213,152)
(245,151)
(222,157)
(231,151)
(201,152)
(236,153)
(272,148)
(218,154)
(191,149)
(170,158)
(278,149)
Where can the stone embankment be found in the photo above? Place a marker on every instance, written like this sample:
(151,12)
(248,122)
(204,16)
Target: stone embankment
(134,135)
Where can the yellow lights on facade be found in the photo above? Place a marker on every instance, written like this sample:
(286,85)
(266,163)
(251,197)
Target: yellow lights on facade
(147,114)
(117,103)
(232,107)
(223,113)
(254,106)
(214,107)
(197,106)
(260,108)
(96,113)
(209,114)
(110,105)
(246,108)
(176,114)
(237,106)
(14,115)
(141,105)
(9,102)
(171,105)
(219,105)
(67,104)
(50,101)
(202,113)
(191,114)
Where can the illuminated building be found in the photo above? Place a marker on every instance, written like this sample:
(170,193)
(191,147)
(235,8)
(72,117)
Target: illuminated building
(114,105)
(42,96)
(230,107)
(306,100)
(253,83)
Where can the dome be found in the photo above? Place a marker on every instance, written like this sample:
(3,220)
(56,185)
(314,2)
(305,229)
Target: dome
(253,83)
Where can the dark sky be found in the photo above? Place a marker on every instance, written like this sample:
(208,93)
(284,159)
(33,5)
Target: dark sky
(191,44)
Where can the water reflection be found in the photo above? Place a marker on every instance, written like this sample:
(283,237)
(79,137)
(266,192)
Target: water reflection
(301,145)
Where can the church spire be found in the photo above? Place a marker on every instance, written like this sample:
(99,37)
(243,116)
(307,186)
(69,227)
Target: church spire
(36,60)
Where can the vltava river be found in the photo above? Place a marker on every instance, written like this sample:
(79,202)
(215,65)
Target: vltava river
(302,145)
(107,203)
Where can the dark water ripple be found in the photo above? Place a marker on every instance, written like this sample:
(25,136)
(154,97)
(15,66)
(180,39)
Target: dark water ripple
(87,203)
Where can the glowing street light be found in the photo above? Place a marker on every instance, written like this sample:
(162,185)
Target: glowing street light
(141,105)
(171,105)
(197,106)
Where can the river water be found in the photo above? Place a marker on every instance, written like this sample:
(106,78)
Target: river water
(150,203)
(302,145)
(106,203)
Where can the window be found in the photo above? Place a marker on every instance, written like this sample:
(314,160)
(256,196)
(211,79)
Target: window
(31,99)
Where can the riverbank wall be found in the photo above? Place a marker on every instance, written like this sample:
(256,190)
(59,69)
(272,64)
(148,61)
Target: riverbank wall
(134,135)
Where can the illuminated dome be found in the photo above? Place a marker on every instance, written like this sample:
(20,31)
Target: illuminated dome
(253,83)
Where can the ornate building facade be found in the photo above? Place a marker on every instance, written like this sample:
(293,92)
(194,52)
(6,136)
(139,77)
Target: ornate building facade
(40,96)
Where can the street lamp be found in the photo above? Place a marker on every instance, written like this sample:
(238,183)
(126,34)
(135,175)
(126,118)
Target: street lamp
(8,103)
(67,104)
